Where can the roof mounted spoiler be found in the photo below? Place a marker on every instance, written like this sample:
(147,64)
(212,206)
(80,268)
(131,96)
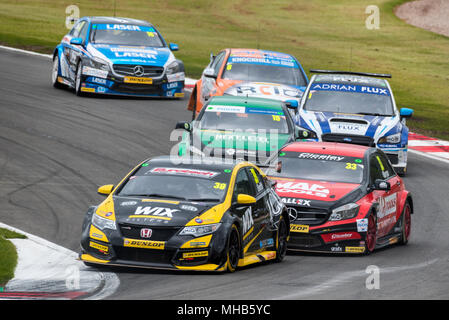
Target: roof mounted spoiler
(378,75)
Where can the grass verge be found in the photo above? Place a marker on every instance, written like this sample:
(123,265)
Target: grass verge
(321,34)
(8,255)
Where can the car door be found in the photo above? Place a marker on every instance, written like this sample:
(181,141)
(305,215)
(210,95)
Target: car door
(209,83)
(245,213)
(387,200)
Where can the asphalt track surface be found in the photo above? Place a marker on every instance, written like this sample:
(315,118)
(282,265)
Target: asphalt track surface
(57,148)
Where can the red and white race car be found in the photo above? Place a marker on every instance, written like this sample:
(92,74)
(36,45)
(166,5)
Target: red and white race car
(341,198)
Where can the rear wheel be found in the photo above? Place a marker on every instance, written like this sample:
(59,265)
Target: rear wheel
(371,234)
(406,223)
(281,240)
(233,249)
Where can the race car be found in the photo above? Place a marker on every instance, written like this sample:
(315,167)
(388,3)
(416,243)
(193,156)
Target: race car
(247,128)
(354,107)
(117,56)
(198,215)
(249,72)
(341,198)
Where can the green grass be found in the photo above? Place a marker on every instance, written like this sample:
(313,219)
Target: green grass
(320,33)
(8,255)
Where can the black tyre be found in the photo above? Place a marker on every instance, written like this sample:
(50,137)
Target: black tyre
(55,73)
(233,249)
(281,240)
(79,80)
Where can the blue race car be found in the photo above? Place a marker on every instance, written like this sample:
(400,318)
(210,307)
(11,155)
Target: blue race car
(118,56)
(358,108)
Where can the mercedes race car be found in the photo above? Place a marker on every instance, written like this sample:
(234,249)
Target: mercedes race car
(341,198)
(117,56)
(355,108)
(246,128)
(249,72)
(197,215)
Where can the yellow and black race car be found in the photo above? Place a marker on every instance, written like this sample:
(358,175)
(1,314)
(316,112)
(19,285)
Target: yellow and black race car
(197,215)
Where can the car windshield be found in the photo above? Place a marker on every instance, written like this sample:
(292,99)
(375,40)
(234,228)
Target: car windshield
(243,118)
(367,100)
(321,167)
(252,72)
(126,34)
(177,183)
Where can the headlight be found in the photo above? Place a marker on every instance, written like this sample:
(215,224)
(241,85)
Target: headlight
(103,223)
(347,211)
(98,63)
(198,231)
(173,67)
(393,139)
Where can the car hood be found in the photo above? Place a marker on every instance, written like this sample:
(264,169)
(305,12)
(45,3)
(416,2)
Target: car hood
(266,90)
(118,54)
(316,192)
(350,124)
(157,212)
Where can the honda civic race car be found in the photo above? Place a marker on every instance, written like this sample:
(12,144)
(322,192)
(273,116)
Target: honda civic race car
(198,215)
(249,72)
(341,198)
(118,56)
(232,127)
(356,108)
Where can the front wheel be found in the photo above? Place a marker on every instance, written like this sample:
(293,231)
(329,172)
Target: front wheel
(233,250)
(281,240)
(55,73)
(406,223)
(78,80)
(371,234)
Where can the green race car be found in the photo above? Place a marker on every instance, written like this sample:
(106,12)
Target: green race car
(234,127)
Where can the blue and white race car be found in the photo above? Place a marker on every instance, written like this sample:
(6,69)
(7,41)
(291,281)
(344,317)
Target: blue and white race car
(358,108)
(118,56)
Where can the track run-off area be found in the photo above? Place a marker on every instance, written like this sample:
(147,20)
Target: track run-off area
(57,148)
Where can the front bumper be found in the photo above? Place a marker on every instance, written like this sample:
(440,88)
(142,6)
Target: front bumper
(103,82)
(397,157)
(343,238)
(175,253)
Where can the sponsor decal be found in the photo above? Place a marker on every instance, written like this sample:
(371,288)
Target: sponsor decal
(84,89)
(354,249)
(248,221)
(317,156)
(179,94)
(230,109)
(350,88)
(100,247)
(189,208)
(146,244)
(339,236)
(285,63)
(138,80)
(302,188)
(89,71)
(187,255)
(154,212)
(98,80)
(187,172)
(387,205)
(299,228)
(266,243)
(300,202)
(362,225)
(336,249)
(198,220)
(128,203)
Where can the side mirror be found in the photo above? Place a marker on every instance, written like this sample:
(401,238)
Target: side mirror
(106,189)
(209,73)
(406,113)
(292,104)
(300,133)
(173,47)
(245,199)
(381,185)
(77,41)
(184,125)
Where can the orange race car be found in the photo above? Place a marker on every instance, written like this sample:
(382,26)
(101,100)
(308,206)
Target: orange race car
(249,72)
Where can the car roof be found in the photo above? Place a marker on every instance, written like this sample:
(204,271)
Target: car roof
(200,163)
(239,101)
(349,79)
(332,148)
(118,20)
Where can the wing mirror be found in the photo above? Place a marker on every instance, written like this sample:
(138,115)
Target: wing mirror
(381,185)
(209,73)
(245,199)
(406,113)
(187,126)
(173,47)
(106,189)
(76,41)
(292,104)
